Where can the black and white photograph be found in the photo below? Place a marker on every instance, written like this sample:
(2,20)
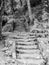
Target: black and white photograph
(24,32)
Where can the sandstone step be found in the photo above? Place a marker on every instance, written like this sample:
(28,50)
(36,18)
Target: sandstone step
(26,42)
(29,56)
(35,43)
(26,46)
(31,61)
(28,51)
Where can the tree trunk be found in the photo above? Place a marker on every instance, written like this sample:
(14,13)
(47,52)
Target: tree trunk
(0,27)
(1,20)
(29,10)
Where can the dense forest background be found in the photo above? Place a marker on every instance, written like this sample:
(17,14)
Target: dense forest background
(20,15)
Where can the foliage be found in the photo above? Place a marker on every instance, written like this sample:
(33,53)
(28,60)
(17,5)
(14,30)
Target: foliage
(29,23)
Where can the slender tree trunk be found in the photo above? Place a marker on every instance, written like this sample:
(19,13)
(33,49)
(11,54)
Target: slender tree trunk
(29,10)
(1,13)
(0,26)
(1,20)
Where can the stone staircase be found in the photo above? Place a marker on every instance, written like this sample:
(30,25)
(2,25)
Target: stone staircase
(27,45)
(27,50)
